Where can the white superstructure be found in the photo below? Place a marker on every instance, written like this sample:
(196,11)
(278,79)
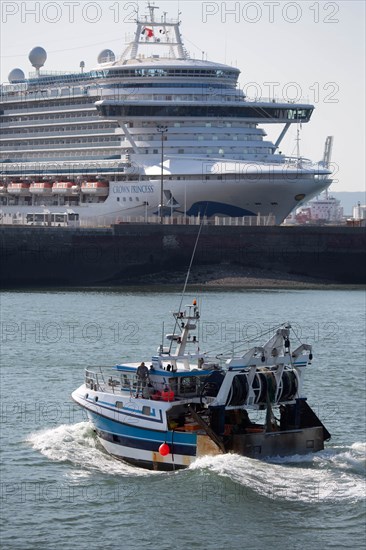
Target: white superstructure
(153,131)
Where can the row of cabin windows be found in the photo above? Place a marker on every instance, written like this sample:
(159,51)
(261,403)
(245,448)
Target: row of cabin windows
(194,124)
(54,116)
(64,129)
(70,154)
(124,199)
(110,139)
(202,110)
(113,137)
(28,106)
(199,137)
(216,73)
(172,150)
(204,96)
(108,152)
(220,151)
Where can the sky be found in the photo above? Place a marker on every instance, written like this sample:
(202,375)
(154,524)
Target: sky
(310,50)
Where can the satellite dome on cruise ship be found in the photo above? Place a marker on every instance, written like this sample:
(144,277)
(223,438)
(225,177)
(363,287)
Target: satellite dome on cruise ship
(37,57)
(16,75)
(106,56)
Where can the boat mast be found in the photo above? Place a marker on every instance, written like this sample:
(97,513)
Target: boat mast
(150,32)
(298,145)
(326,157)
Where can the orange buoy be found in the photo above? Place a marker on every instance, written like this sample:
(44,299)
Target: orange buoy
(164,449)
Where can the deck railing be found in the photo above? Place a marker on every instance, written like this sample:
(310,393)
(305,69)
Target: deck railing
(18,218)
(186,220)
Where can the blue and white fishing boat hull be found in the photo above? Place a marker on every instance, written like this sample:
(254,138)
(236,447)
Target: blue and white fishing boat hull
(130,434)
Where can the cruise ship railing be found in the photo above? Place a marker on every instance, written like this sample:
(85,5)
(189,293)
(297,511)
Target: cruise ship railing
(104,222)
(194,220)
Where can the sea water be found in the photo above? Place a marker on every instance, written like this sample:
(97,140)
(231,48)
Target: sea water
(59,489)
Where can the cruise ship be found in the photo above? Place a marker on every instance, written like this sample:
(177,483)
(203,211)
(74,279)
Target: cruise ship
(152,132)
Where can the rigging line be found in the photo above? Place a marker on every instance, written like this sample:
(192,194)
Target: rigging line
(295,333)
(190,265)
(249,340)
(193,44)
(188,273)
(68,49)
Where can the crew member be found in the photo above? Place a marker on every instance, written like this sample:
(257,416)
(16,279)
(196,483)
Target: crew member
(142,375)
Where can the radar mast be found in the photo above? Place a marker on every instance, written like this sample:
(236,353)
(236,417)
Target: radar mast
(151,32)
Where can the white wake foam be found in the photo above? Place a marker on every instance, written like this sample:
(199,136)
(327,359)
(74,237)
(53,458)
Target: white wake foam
(331,475)
(76,443)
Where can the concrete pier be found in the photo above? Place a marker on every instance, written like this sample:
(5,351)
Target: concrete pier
(121,254)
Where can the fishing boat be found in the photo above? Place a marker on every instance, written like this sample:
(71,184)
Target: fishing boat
(165,412)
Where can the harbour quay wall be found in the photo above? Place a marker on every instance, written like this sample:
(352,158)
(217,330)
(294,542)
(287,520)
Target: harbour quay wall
(54,256)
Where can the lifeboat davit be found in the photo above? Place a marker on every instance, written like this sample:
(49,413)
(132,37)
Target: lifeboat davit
(98,188)
(64,188)
(41,188)
(18,188)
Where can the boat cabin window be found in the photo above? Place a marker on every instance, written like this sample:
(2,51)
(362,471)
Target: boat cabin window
(146,410)
(188,385)
(126,381)
(119,405)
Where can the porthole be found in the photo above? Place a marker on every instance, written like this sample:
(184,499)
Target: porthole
(299,197)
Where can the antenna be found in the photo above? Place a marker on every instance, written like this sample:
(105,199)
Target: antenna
(298,143)
(151,8)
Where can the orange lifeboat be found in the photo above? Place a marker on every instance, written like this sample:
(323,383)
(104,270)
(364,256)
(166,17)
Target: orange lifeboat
(63,188)
(18,188)
(41,188)
(96,188)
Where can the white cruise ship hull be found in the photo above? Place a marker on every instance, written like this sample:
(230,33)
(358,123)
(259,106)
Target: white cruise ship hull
(270,192)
